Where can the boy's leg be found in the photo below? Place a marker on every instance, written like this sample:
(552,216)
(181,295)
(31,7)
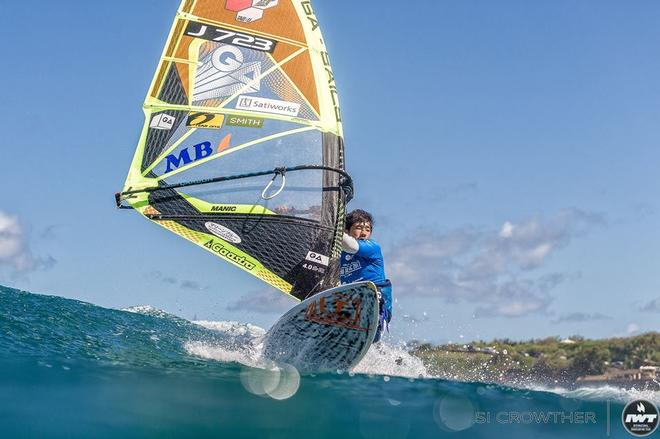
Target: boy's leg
(383,319)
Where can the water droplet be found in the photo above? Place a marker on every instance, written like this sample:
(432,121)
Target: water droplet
(288,384)
(454,413)
(260,381)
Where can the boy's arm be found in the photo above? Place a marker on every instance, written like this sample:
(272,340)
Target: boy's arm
(350,244)
(367,249)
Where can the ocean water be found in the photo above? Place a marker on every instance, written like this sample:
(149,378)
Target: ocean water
(71,369)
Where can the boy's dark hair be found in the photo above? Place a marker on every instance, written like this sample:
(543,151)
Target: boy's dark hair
(358,216)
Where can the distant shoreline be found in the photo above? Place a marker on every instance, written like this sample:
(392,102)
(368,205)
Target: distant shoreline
(573,362)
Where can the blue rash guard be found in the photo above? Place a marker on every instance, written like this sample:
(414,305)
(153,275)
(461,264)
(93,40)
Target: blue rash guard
(367,264)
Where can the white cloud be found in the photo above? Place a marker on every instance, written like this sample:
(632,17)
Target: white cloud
(579,317)
(507,230)
(632,327)
(494,268)
(187,284)
(11,241)
(513,298)
(652,306)
(264,301)
(14,248)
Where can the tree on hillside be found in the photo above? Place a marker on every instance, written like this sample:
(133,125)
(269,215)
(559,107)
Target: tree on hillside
(590,361)
(642,350)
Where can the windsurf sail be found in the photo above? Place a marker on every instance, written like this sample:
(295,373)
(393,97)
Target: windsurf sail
(241,152)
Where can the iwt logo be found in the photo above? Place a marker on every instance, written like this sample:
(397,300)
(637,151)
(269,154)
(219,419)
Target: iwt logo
(640,417)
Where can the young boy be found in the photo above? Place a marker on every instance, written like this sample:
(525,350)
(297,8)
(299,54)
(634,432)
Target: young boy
(362,259)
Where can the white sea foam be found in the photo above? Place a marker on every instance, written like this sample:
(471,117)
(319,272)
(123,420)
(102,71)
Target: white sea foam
(225,354)
(390,360)
(147,310)
(242,344)
(381,359)
(604,393)
(233,328)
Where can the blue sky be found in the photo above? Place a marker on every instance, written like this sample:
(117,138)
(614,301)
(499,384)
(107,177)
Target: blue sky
(508,151)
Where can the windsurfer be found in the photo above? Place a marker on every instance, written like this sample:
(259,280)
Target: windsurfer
(362,259)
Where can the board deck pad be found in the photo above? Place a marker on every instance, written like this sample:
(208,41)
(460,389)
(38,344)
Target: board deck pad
(329,331)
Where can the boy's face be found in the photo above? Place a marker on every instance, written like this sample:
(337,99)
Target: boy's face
(360,230)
